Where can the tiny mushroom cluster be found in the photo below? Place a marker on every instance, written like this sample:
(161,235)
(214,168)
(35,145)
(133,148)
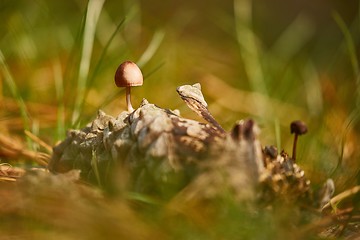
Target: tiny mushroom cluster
(128,75)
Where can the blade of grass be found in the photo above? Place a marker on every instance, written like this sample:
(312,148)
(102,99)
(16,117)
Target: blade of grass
(103,53)
(349,43)
(313,91)
(69,72)
(354,116)
(151,49)
(155,69)
(249,51)
(292,39)
(39,141)
(277,133)
(16,95)
(353,59)
(59,88)
(35,130)
(352,52)
(92,16)
(97,67)
(95,167)
(135,196)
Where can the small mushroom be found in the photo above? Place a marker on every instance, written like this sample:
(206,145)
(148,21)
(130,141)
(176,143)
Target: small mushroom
(128,75)
(298,128)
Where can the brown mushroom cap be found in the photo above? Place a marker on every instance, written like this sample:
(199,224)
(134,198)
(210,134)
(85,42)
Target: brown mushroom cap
(298,127)
(128,74)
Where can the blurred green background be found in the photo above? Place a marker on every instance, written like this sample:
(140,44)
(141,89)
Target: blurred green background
(274,61)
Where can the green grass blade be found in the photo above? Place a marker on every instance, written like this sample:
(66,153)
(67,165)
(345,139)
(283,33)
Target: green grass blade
(349,43)
(59,87)
(152,48)
(97,68)
(101,59)
(16,95)
(155,69)
(139,197)
(292,39)
(103,53)
(95,167)
(92,17)
(352,52)
(277,128)
(249,50)
(70,71)
(354,116)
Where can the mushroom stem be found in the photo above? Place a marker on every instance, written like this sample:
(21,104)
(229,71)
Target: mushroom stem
(294,146)
(298,128)
(128,100)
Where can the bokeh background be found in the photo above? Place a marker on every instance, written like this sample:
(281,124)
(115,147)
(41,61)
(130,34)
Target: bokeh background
(274,61)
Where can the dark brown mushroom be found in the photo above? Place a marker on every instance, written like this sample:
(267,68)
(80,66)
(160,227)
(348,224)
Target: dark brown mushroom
(298,128)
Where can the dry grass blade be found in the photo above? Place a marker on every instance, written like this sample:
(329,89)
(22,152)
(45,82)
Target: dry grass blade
(341,196)
(39,141)
(46,114)
(14,150)
(243,101)
(9,173)
(7,179)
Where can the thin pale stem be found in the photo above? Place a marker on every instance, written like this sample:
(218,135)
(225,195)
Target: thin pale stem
(128,100)
(294,147)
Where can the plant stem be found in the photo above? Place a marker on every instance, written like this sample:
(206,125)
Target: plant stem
(294,147)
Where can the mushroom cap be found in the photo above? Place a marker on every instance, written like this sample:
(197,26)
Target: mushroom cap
(128,74)
(298,127)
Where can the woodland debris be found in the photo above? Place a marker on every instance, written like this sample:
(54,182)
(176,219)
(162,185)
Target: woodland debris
(167,154)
